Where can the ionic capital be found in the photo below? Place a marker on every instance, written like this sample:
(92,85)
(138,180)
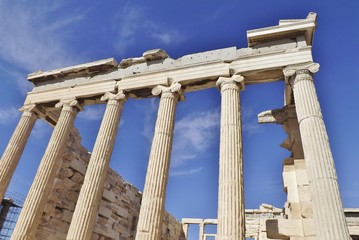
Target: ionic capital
(236,79)
(28,110)
(290,72)
(68,104)
(174,89)
(119,96)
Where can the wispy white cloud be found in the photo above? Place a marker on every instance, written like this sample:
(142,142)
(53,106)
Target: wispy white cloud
(32,38)
(41,129)
(19,78)
(27,40)
(193,135)
(133,23)
(249,121)
(220,12)
(8,114)
(150,118)
(176,173)
(92,113)
(61,24)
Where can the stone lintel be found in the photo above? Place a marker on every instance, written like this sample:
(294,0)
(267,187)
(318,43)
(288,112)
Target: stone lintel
(199,221)
(255,68)
(210,221)
(157,60)
(351,210)
(209,235)
(82,69)
(285,29)
(192,221)
(268,66)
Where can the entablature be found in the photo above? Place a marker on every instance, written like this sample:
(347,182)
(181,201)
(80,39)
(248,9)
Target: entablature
(262,62)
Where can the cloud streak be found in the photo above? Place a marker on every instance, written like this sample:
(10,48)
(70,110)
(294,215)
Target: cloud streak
(32,38)
(150,118)
(249,121)
(194,134)
(134,23)
(177,173)
(8,115)
(92,113)
(40,130)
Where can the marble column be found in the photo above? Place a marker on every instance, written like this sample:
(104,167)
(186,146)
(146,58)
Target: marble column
(328,211)
(201,231)
(185,230)
(15,147)
(153,200)
(83,220)
(36,199)
(231,223)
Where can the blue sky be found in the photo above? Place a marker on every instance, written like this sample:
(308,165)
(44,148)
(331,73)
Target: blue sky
(46,35)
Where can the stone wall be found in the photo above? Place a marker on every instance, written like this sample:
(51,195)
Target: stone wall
(256,220)
(119,208)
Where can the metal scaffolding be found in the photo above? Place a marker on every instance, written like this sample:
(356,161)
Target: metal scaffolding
(9,212)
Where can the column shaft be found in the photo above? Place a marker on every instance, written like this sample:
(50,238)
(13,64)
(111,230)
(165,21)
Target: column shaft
(14,149)
(328,211)
(185,230)
(83,220)
(201,231)
(231,212)
(153,200)
(35,202)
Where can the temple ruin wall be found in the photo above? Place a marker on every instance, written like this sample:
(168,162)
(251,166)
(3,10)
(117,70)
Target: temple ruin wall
(119,208)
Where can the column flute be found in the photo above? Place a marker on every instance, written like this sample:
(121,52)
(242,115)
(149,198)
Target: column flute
(328,211)
(35,202)
(15,147)
(83,220)
(231,224)
(153,200)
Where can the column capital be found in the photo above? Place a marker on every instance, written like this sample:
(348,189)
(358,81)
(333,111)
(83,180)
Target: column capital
(306,68)
(235,79)
(119,96)
(29,109)
(175,87)
(69,103)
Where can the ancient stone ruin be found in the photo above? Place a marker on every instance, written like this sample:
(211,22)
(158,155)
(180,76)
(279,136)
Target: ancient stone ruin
(75,195)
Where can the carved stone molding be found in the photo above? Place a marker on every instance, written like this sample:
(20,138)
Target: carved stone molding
(108,96)
(29,109)
(235,79)
(173,88)
(67,104)
(290,72)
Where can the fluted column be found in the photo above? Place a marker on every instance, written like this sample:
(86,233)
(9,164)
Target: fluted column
(231,222)
(83,220)
(36,199)
(185,230)
(201,231)
(15,147)
(328,211)
(153,200)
